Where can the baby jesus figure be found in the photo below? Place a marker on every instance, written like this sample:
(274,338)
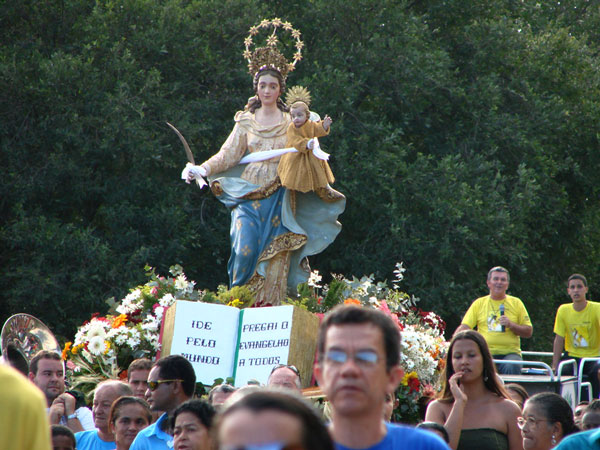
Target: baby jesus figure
(302,171)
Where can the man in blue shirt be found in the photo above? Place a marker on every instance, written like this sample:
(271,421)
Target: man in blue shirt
(171,382)
(102,438)
(586,440)
(358,365)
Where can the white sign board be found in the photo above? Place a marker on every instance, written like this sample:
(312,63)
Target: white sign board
(222,341)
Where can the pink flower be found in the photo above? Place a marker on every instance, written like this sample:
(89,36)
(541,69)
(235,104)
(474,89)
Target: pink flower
(384,307)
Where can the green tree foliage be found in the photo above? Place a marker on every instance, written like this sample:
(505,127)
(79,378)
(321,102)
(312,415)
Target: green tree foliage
(465,136)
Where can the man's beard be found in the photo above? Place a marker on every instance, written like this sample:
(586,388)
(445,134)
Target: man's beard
(53,394)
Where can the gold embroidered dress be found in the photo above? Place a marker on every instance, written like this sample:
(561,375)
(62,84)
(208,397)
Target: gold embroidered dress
(303,171)
(269,241)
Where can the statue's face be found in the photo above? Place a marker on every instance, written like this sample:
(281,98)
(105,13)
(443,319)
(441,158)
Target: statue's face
(299,116)
(268,89)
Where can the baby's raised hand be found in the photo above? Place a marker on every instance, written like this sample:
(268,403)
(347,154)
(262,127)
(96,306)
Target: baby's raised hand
(327,122)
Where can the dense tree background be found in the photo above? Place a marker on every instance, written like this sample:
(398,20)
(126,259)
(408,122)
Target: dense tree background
(465,136)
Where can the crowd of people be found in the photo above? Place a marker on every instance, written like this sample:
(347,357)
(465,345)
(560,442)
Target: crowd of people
(156,408)
(357,370)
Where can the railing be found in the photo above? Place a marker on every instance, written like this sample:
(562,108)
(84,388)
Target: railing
(530,367)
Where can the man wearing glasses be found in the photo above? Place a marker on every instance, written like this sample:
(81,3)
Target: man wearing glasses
(286,377)
(171,382)
(358,365)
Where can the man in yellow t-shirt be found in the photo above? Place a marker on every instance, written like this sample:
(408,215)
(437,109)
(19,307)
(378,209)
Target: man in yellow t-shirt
(23,421)
(501,319)
(577,329)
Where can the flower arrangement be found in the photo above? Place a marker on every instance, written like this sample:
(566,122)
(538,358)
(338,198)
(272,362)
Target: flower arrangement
(422,346)
(104,346)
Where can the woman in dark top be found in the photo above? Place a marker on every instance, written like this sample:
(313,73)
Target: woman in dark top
(474,406)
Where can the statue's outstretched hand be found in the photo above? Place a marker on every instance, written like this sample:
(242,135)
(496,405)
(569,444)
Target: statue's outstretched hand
(192,172)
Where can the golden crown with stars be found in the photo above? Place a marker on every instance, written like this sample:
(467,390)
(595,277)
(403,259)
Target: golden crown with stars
(269,56)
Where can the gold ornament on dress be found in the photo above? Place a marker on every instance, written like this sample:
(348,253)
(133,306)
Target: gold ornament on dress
(264,191)
(269,56)
(216,188)
(298,94)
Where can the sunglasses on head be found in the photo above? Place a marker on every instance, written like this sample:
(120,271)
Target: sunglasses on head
(287,366)
(153,385)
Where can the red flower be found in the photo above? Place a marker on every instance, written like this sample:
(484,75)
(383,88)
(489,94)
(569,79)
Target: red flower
(134,317)
(261,305)
(414,384)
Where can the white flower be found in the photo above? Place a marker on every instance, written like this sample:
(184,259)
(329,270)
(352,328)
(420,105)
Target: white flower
(314,279)
(158,312)
(131,302)
(181,282)
(95,330)
(133,342)
(121,338)
(133,296)
(150,326)
(166,300)
(153,340)
(97,346)
(114,332)
(80,335)
(134,338)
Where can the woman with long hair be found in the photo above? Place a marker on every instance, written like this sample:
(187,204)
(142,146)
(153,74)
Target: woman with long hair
(474,406)
(547,418)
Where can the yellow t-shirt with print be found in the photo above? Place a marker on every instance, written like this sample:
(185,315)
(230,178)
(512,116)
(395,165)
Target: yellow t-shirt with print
(581,329)
(484,314)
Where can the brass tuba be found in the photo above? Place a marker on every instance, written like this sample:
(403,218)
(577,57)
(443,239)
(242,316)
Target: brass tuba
(22,337)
